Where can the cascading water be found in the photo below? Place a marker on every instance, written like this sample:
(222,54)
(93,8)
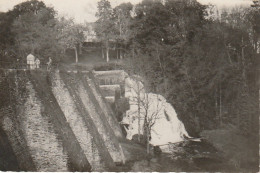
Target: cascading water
(167,127)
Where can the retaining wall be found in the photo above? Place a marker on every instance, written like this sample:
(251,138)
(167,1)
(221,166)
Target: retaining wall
(111,77)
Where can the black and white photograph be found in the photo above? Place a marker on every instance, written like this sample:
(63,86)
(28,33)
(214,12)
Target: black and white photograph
(129,85)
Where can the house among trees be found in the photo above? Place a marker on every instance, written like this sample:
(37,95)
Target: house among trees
(92,41)
(90,36)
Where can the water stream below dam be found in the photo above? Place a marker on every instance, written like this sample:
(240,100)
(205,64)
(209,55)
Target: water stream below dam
(195,156)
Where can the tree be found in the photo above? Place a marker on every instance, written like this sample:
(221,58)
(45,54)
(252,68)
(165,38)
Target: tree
(35,31)
(137,91)
(151,114)
(254,18)
(32,6)
(160,34)
(122,19)
(71,35)
(104,26)
(7,36)
(147,108)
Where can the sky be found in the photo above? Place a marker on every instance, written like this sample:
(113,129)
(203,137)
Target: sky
(84,10)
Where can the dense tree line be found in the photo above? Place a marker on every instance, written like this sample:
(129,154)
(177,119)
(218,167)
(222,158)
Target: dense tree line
(207,67)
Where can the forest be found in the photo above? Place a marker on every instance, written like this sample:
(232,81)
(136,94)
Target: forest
(203,60)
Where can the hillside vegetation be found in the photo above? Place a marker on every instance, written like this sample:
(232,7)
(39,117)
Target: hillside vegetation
(204,61)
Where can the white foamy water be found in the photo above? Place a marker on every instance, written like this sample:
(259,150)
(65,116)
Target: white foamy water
(167,127)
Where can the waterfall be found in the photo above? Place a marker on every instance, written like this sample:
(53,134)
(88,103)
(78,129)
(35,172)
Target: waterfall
(167,127)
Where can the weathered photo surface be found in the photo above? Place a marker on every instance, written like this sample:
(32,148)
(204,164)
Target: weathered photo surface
(129,85)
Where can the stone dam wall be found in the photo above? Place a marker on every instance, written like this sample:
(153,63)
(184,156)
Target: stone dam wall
(110,83)
(86,97)
(76,122)
(56,122)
